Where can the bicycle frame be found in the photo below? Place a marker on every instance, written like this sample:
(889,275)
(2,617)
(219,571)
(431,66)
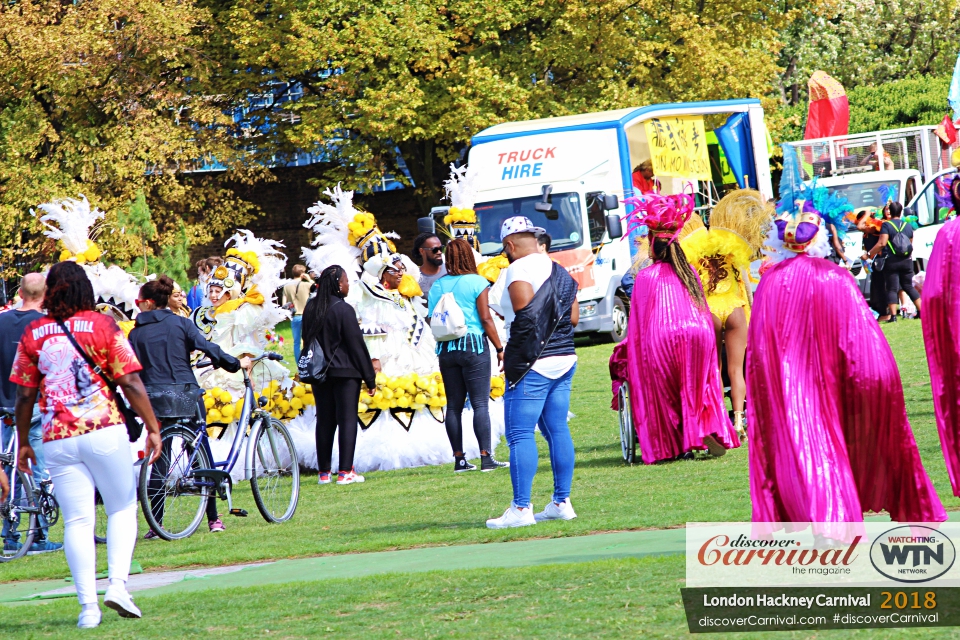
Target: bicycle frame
(248,417)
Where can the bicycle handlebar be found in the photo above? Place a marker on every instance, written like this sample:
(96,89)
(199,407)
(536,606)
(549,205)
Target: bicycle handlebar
(268,355)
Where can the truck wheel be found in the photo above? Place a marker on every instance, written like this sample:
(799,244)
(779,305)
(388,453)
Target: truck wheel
(620,317)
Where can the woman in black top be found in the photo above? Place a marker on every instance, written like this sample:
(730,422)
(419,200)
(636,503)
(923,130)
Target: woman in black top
(870,228)
(898,265)
(334,324)
(163,342)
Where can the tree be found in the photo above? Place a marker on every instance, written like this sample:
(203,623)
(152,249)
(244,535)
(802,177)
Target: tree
(425,75)
(866,42)
(105,99)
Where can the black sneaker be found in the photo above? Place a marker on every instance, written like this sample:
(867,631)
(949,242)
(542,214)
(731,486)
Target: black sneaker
(487,463)
(460,465)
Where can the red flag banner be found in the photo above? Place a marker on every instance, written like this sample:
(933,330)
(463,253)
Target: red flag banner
(946,131)
(829,111)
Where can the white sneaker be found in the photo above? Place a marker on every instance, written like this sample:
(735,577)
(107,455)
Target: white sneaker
(89,619)
(554,511)
(349,478)
(120,601)
(513,517)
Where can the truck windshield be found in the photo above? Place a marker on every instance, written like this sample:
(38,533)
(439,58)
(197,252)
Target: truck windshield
(566,232)
(868,194)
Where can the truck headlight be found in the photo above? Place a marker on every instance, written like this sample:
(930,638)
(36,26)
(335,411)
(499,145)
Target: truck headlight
(588,309)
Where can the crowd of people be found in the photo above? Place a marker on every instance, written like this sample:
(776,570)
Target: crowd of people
(432,358)
(822,449)
(423,365)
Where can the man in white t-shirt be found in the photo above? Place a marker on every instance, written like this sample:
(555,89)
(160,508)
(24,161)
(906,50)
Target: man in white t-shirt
(542,395)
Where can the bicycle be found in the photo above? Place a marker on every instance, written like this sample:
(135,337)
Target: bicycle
(25,498)
(173,499)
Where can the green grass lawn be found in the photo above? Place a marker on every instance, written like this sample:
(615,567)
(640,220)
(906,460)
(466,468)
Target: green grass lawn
(606,599)
(432,506)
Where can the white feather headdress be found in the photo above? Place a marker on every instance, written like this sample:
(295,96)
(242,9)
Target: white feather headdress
(73,218)
(331,242)
(461,188)
(115,289)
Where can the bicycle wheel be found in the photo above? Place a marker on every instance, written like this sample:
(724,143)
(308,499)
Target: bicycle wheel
(276,472)
(100,526)
(23,503)
(172,502)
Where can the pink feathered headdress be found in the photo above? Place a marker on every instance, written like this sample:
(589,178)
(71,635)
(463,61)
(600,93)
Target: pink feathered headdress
(664,216)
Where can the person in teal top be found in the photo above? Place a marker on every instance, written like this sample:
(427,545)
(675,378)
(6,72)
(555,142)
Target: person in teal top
(465,362)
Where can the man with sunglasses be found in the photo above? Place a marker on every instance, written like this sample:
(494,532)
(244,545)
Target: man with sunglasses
(428,255)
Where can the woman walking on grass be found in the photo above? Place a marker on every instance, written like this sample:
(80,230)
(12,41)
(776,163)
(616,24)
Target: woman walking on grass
(85,440)
(334,324)
(465,362)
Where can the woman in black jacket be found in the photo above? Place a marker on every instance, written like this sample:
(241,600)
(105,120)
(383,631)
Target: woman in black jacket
(163,342)
(334,324)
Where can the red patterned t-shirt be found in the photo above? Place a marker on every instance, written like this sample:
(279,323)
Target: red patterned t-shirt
(73,399)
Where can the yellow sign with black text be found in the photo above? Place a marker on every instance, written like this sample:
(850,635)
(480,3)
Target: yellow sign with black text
(678,147)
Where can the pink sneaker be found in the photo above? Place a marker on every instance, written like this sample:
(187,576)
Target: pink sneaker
(348,477)
(150,535)
(217,526)
(324,478)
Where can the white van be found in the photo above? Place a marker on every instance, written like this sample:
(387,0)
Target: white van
(569,174)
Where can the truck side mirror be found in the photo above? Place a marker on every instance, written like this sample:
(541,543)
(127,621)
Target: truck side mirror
(614,224)
(426,225)
(544,205)
(610,202)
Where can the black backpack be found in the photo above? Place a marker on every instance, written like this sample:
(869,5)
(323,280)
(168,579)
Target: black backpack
(900,244)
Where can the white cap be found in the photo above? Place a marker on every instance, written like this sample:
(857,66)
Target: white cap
(519,224)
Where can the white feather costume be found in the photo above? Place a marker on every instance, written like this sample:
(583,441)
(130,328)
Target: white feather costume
(241,325)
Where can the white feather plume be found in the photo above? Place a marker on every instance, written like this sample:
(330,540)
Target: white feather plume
(115,286)
(461,188)
(73,219)
(331,242)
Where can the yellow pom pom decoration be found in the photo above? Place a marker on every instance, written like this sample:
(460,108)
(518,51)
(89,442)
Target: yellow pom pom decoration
(65,255)
(214,416)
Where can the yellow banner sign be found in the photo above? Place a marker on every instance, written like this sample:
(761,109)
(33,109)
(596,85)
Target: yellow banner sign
(678,147)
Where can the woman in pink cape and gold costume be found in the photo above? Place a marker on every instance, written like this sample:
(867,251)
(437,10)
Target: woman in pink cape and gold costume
(829,435)
(941,328)
(672,366)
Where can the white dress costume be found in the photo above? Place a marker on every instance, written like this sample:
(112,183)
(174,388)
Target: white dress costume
(395,333)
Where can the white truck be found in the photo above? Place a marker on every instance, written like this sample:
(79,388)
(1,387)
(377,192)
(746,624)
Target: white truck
(570,174)
(869,169)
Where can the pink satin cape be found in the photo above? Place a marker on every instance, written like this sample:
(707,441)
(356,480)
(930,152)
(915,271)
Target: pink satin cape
(828,429)
(673,369)
(941,335)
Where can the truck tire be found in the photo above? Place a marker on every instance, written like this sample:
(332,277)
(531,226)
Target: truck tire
(619,315)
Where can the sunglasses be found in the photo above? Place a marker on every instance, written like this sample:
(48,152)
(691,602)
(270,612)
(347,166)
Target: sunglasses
(434,250)
(393,272)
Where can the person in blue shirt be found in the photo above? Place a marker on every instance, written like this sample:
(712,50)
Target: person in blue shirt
(465,361)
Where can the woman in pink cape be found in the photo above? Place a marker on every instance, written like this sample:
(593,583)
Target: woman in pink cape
(829,435)
(676,396)
(941,328)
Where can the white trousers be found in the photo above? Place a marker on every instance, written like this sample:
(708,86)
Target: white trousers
(98,459)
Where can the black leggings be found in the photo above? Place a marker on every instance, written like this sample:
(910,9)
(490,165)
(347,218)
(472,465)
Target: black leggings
(337,401)
(899,275)
(158,474)
(878,292)
(467,372)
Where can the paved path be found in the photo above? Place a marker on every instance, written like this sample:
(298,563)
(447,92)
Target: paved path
(523,553)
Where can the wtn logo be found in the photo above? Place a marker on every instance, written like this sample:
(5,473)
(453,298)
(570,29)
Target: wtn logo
(897,554)
(912,553)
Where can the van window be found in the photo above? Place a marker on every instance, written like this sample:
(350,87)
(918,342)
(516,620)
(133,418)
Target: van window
(566,232)
(926,205)
(596,217)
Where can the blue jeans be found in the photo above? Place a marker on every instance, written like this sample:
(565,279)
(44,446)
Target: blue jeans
(537,399)
(10,533)
(296,326)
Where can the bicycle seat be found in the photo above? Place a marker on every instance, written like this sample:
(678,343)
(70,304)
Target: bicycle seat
(173,401)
